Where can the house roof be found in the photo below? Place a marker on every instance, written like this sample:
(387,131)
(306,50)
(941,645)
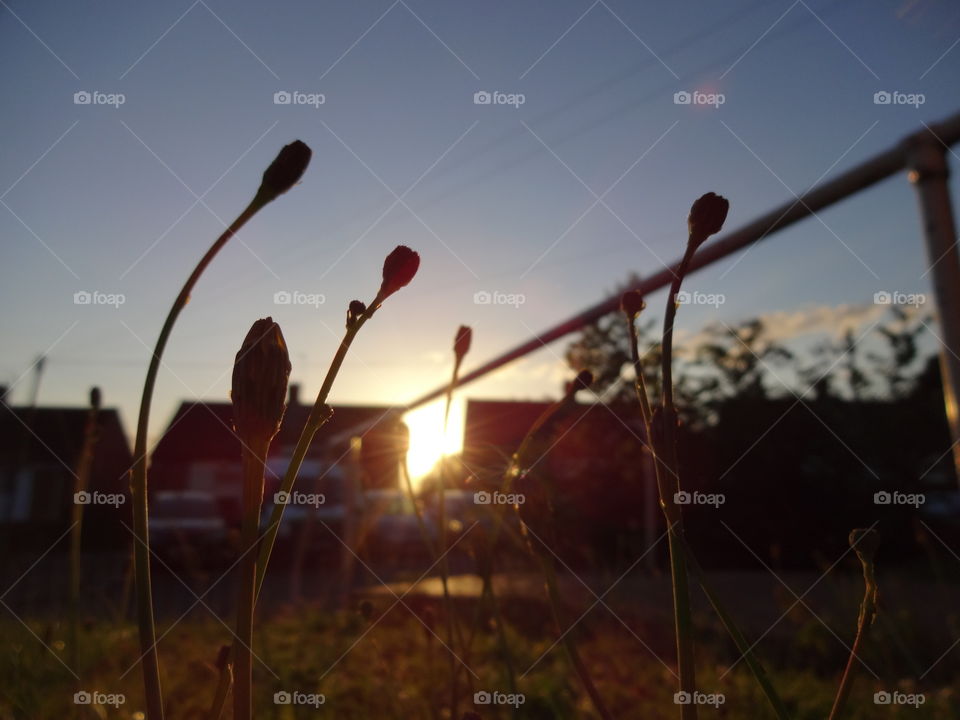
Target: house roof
(54,435)
(203,431)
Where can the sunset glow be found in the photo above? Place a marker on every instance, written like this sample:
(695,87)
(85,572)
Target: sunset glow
(428,443)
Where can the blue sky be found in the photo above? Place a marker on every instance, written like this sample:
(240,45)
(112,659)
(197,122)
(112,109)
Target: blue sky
(101,197)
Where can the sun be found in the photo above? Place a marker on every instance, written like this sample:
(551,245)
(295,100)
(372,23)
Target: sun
(428,443)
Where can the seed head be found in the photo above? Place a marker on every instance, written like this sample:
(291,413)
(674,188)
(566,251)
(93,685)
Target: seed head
(707,215)
(260,373)
(632,303)
(461,343)
(285,171)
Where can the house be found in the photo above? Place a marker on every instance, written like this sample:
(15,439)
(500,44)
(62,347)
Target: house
(39,455)
(604,493)
(199,450)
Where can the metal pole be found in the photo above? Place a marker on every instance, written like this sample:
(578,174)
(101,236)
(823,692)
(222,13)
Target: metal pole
(929,171)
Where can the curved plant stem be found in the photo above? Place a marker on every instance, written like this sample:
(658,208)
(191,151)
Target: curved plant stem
(868,612)
(668,483)
(138,479)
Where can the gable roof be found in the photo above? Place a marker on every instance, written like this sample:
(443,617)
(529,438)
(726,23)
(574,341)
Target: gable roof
(54,436)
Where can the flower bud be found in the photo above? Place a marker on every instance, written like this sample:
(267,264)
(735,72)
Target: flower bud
(354,312)
(95,398)
(398,270)
(285,171)
(707,215)
(632,303)
(461,343)
(260,374)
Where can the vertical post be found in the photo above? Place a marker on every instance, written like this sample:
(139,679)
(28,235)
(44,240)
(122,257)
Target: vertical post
(927,163)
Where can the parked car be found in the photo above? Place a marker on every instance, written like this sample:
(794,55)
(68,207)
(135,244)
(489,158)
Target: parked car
(389,527)
(186,527)
(318,498)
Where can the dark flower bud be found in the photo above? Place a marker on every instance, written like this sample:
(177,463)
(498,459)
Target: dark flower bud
(354,312)
(398,270)
(461,343)
(95,398)
(707,215)
(632,303)
(865,543)
(285,171)
(260,373)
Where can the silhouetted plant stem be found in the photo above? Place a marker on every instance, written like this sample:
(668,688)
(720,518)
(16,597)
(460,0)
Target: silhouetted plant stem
(865,543)
(138,481)
(253,467)
(665,455)
(282,174)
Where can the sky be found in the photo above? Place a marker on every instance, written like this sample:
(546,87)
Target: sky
(579,171)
